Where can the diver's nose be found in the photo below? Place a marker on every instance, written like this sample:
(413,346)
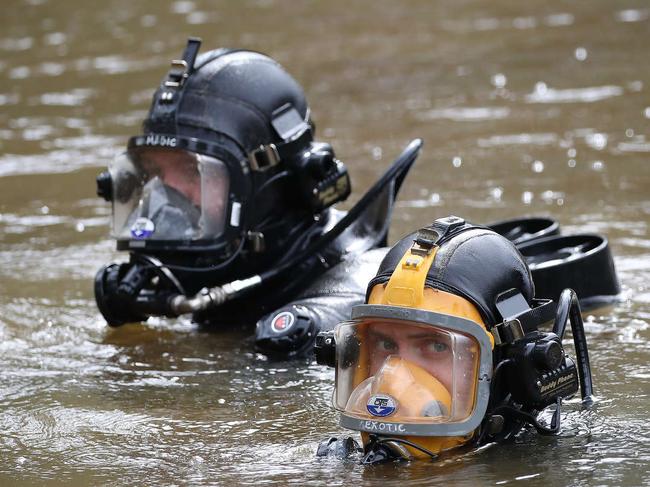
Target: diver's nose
(291,330)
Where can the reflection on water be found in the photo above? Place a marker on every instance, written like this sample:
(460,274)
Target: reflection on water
(523,109)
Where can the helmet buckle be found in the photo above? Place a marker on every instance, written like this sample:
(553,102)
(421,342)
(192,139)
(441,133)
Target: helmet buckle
(177,74)
(264,157)
(181,68)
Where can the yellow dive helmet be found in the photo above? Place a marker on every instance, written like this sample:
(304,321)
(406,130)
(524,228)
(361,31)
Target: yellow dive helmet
(414,366)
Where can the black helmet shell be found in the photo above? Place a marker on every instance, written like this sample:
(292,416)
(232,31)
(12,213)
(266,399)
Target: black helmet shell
(476,263)
(229,94)
(243,108)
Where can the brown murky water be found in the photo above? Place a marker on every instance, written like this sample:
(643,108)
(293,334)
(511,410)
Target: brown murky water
(525,109)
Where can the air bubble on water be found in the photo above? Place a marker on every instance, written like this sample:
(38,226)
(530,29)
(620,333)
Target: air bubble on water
(597,141)
(499,80)
(580,53)
(540,88)
(496,193)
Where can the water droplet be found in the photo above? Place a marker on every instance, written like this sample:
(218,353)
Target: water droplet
(527,197)
(560,201)
(596,141)
(221,401)
(629,133)
(598,165)
(182,7)
(197,18)
(540,88)
(571,163)
(646,112)
(499,80)
(580,54)
(45,209)
(434,198)
(457,161)
(80,227)
(571,152)
(22,72)
(55,38)
(377,153)
(538,166)
(496,193)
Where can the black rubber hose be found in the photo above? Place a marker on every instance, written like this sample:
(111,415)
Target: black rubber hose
(396,172)
(569,307)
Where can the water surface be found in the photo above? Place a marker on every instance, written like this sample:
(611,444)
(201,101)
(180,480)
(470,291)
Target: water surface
(524,109)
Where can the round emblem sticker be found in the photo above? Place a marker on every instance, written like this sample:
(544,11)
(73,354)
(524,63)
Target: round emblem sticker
(142,228)
(282,321)
(381,405)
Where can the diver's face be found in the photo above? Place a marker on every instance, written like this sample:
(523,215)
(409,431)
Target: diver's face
(430,350)
(175,168)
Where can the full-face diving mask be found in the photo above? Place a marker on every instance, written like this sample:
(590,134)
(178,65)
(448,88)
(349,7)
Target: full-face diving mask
(411,372)
(168,195)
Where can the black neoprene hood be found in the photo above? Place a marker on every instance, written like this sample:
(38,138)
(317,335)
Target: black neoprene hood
(477,264)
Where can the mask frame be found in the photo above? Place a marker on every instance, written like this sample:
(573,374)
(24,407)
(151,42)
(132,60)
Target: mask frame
(453,323)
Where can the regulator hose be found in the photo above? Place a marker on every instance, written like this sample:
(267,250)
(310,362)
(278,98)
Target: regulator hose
(568,309)
(218,295)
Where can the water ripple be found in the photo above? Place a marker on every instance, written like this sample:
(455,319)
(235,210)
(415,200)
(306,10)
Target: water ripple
(544,94)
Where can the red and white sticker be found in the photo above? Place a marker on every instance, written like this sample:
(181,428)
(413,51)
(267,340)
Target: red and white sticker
(282,322)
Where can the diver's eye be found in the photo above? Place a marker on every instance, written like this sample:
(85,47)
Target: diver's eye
(435,346)
(387,345)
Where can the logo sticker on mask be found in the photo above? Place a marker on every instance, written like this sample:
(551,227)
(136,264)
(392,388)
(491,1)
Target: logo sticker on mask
(142,228)
(282,321)
(381,405)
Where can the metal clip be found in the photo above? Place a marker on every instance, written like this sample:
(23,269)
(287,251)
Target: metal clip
(424,241)
(264,157)
(507,332)
(178,74)
(257,240)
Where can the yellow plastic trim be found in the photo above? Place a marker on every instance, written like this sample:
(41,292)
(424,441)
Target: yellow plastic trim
(406,285)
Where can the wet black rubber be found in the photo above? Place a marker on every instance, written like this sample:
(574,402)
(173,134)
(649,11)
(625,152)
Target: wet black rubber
(526,229)
(583,263)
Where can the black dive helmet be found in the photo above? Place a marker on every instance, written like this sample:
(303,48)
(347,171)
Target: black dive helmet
(451,348)
(244,125)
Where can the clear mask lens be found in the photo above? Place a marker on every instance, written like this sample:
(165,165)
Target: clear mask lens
(404,371)
(168,194)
